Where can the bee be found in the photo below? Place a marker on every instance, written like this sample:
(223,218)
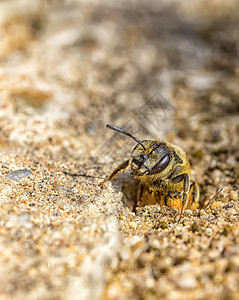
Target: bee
(163,173)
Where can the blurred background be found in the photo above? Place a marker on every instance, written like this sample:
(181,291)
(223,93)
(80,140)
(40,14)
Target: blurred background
(101,61)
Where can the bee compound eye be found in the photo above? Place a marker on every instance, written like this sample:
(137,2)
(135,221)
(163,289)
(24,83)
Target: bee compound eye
(161,165)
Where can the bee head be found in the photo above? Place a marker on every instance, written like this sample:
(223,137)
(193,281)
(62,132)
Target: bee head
(153,159)
(148,157)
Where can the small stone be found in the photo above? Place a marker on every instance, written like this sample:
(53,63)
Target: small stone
(187,282)
(17,175)
(216,204)
(202,212)
(24,219)
(227,206)
(233,195)
(209,231)
(186,222)
(133,225)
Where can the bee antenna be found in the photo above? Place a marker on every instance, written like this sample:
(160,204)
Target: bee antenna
(126,133)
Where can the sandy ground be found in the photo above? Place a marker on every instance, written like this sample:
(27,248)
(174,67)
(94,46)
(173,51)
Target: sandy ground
(68,68)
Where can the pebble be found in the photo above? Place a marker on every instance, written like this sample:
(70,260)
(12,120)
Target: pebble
(24,219)
(133,225)
(17,175)
(187,281)
(216,204)
(233,195)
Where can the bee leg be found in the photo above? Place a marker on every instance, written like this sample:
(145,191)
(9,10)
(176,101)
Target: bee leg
(194,193)
(139,196)
(122,166)
(185,192)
